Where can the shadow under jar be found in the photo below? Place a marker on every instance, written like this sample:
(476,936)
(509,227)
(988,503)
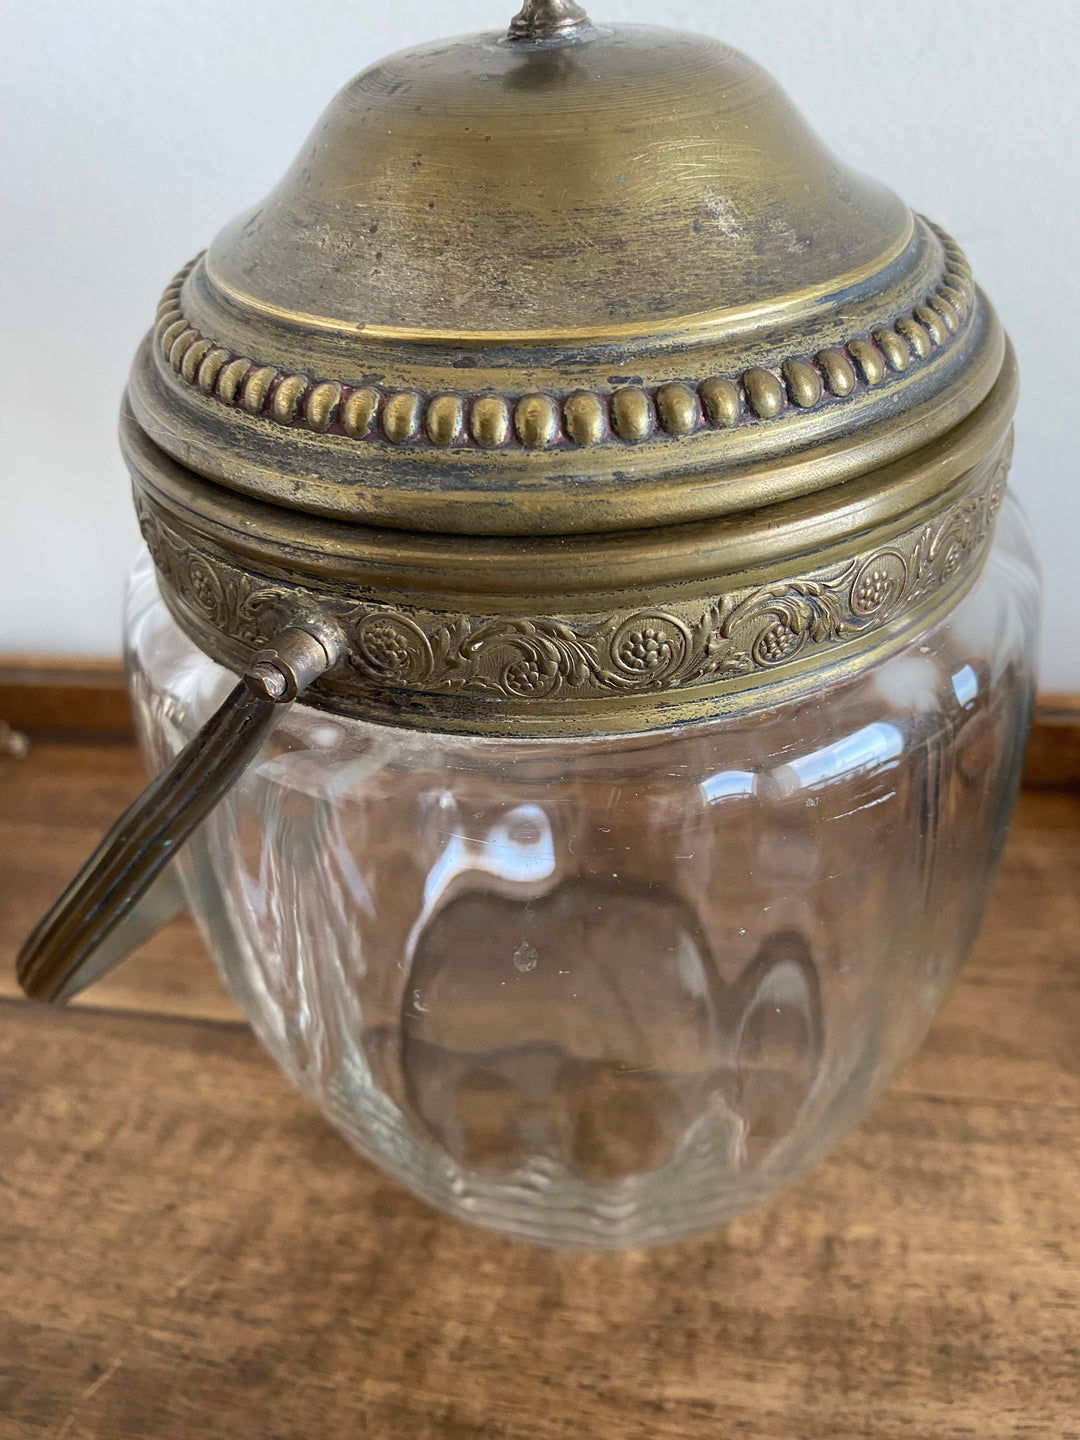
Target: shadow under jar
(600,494)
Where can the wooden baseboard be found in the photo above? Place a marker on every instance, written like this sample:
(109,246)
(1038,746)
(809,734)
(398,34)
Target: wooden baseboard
(74,697)
(1053,755)
(88,698)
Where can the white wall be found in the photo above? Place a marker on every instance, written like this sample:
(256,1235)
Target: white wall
(129,132)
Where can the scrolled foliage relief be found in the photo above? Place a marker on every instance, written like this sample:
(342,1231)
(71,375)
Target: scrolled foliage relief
(652,650)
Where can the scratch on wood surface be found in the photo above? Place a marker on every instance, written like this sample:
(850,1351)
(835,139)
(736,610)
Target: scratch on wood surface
(102,1380)
(88,1394)
(174,1291)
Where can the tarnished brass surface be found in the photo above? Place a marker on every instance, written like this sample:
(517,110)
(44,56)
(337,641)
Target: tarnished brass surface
(608,279)
(574,450)
(572,377)
(545,19)
(647,628)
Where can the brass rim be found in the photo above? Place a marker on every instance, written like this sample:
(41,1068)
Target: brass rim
(778,600)
(394,438)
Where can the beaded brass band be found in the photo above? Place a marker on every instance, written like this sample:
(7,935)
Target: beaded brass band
(602,661)
(629,413)
(559,438)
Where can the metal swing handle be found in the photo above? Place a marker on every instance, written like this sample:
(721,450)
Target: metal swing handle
(68,947)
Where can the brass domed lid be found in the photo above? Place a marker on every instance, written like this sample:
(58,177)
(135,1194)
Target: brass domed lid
(601,277)
(577,385)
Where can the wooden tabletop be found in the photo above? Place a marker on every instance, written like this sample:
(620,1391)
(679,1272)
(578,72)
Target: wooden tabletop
(188,1252)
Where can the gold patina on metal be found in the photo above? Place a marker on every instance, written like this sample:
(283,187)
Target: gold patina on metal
(734,610)
(631,669)
(569,409)
(618,413)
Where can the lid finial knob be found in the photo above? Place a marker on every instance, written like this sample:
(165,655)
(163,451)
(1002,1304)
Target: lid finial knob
(544,19)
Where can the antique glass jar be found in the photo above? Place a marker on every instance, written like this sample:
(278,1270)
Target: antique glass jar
(621,483)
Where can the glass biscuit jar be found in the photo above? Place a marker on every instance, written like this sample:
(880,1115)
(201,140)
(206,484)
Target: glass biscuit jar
(600,494)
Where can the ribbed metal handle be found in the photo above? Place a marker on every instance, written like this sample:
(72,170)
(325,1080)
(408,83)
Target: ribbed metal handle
(64,952)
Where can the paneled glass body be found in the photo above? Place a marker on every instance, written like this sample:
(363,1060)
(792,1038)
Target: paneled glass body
(610,991)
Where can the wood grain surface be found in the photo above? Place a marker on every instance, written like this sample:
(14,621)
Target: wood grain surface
(187,1250)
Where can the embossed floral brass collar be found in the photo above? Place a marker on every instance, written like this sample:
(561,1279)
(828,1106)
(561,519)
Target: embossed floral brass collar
(572,379)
